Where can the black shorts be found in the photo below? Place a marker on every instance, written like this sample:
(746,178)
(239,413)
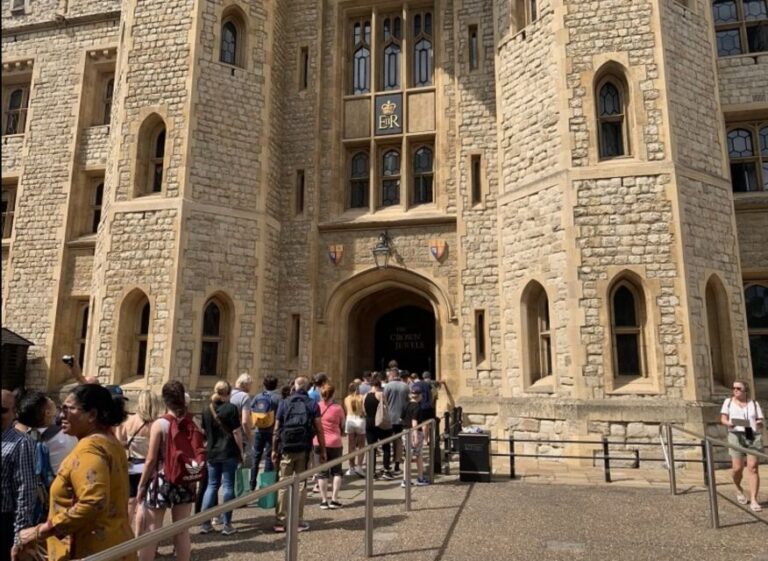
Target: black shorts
(133,484)
(397,429)
(331,454)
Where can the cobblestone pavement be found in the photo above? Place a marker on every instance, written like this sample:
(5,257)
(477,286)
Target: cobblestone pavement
(572,516)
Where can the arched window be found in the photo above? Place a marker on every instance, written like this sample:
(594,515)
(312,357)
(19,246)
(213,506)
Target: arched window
(748,157)
(232,39)
(627,325)
(422,49)
(142,336)
(611,119)
(718,332)
(756,301)
(361,56)
(16,111)
(109,90)
(537,338)
(741,26)
(150,164)
(359,184)
(131,352)
(390,178)
(215,330)
(423,175)
(82,334)
(525,13)
(392,35)
(97,200)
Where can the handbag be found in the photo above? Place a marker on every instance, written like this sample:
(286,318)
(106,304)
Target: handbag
(266,479)
(242,481)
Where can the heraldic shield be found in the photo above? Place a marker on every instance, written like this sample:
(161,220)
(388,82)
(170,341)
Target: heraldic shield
(438,249)
(335,253)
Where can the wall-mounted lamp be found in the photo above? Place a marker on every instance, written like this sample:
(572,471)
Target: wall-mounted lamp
(382,251)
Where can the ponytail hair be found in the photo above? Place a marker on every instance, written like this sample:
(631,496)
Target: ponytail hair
(110,409)
(173,396)
(221,392)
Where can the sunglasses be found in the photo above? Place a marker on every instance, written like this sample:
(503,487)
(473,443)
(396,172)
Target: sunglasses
(739,388)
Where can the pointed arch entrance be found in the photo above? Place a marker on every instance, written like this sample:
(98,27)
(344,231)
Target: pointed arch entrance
(393,323)
(394,304)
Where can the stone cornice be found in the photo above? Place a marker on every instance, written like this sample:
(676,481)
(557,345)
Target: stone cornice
(60,22)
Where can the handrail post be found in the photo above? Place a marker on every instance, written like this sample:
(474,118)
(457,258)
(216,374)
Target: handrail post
(671,459)
(292,539)
(511,455)
(447,453)
(431,454)
(606,461)
(407,468)
(369,473)
(435,431)
(715,517)
(704,463)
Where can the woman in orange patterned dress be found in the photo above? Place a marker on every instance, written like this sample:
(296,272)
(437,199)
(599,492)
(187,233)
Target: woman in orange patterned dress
(89,497)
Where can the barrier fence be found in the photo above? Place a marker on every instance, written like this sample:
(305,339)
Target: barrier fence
(292,485)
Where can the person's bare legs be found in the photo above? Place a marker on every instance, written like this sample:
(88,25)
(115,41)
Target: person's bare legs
(153,519)
(181,540)
(419,466)
(322,483)
(360,445)
(336,488)
(737,472)
(754,479)
(351,447)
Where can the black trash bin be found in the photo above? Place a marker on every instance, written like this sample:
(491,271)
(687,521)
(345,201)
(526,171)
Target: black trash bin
(475,457)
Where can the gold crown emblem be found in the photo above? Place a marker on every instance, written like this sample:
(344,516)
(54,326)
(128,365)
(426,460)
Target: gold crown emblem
(388,108)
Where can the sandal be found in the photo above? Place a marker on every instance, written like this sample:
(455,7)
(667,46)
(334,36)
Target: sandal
(741,499)
(755,507)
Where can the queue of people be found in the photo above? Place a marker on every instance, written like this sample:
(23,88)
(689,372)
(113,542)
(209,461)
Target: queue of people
(108,476)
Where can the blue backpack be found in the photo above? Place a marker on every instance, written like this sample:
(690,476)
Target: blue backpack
(43,471)
(262,411)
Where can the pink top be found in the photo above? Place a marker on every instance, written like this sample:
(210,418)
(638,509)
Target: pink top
(333,420)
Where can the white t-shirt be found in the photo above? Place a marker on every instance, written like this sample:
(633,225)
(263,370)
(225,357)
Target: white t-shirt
(741,416)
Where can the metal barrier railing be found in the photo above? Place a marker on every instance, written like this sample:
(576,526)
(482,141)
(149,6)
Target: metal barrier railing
(668,430)
(292,484)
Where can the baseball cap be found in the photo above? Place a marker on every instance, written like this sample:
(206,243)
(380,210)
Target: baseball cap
(116,390)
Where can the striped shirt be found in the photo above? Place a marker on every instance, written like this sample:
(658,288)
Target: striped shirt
(18,483)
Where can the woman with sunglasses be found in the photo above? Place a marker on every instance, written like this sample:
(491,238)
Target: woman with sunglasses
(88,510)
(745,423)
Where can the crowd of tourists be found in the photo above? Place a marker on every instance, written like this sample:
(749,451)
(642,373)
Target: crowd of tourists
(84,476)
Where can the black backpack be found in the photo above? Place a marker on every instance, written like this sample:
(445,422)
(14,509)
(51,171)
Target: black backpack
(296,425)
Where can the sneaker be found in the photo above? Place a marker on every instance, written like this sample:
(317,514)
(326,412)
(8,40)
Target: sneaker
(324,505)
(422,482)
(206,528)
(350,471)
(228,530)
(303,526)
(403,484)
(215,521)
(387,475)
(741,499)
(360,472)
(279,528)
(334,505)
(397,470)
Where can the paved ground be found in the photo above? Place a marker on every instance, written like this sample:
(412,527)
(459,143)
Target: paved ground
(572,516)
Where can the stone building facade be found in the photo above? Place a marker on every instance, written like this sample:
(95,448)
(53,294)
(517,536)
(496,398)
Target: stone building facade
(572,197)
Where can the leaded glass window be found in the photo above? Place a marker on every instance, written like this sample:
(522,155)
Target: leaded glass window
(361,56)
(626,325)
(97,201)
(16,111)
(158,155)
(392,36)
(748,156)
(422,175)
(210,350)
(142,335)
(359,184)
(611,120)
(229,43)
(756,301)
(109,89)
(741,26)
(422,49)
(390,178)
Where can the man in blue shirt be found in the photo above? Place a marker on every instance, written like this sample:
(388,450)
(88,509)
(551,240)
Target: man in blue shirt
(18,484)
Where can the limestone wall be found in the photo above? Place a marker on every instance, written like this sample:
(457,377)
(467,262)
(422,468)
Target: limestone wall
(743,79)
(753,249)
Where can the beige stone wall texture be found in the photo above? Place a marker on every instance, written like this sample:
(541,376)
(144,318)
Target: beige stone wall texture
(743,80)
(44,187)
(629,38)
(534,249)
(530,144)
(475,111)
(753,249)
(691,83)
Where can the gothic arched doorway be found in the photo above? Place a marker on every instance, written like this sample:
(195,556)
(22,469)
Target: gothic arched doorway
(393,323)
